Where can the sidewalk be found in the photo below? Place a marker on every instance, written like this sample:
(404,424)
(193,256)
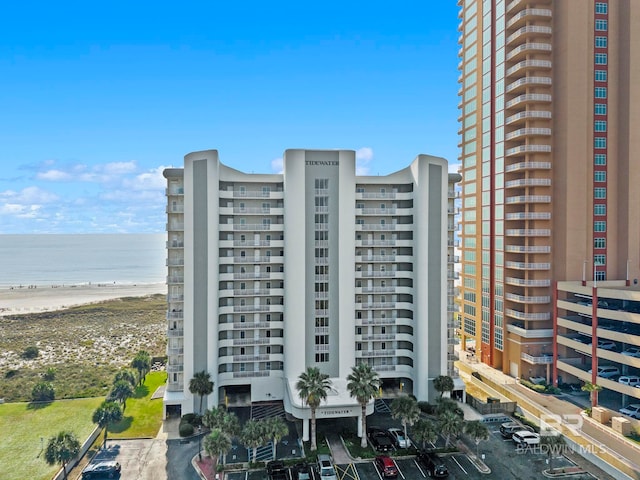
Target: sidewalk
(608,448)
(338,451)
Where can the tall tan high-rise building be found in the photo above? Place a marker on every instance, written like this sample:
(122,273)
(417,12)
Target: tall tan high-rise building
(550,146)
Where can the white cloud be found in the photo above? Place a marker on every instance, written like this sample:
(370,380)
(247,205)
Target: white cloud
(117,168)
(364,155)
(453,167)
(29,195)
(277,165)
(151,180)
(54,176)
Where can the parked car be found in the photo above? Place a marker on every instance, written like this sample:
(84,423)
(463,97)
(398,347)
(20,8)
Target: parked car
(397,435)
(386,466)
(325,468)
(632,410)
(631,380)
(509,428)
(607,371)
(525,438)
(606,344)
(277,471)
(432,464)
(109,469)
(632,352)
(380,439)
(301,471)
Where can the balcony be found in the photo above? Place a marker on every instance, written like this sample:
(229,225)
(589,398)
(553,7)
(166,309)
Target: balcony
(175,279)
(529,31)
(527,282)
(528,266)
(537,360)
(244,227)
(251,308)
(176,332)
(527,65)
(527,132)
(378,211)
(249,325)
(528,14)
(529,114)
(377,321)
(372,227)
(174,191)
(540,316)
(517,167)
(251,358)
(376,305)
(175,368)
(543,299)
(530,333)
(528,216)
(376,243)
(528,182)
(257,373)
(529,98)
(375,353)
(379,336)
(528,232)
(527,149)
(175,227)
(372,274)
(175,351)
(528,199)
(260,194)
(173,315)
(375,195)
(251,341)
(251,275)
(175,262)
(526,48)
(376,258)
(527,81)
(391,289)
(172,297)
(527,249)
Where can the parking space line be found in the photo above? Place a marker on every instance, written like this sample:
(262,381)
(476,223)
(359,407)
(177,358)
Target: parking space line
(398,467)
(458,463)
(414,461)
(375,467)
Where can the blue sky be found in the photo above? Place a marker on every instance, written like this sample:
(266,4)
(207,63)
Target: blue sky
(97,98)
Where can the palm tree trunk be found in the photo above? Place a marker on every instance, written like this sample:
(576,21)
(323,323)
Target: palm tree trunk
(255,454)
(363,442)
(314,445)
(273,450)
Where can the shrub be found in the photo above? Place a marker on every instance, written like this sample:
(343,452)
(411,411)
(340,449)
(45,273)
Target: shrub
(426,407)
(185,430)
(50,374)
(43,392)
(192,419)
(11,374)
(30,352)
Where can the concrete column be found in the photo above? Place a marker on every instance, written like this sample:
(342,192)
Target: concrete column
(360,433)
(305,429)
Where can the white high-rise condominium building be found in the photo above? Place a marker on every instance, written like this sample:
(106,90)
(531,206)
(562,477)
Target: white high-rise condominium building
(269,274)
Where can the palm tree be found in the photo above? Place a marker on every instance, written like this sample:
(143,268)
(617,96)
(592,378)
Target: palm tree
(127,375)
(201,385)
(217,444)
(553,443)
(363,384)
(120,391)
(425,431)
(450,425)
(276,428)
(106,414)
(142,363)
(406,409)
(61,449)
(312,388)
(593,390)
(446,405)
(253,435)
(443,383)
(478,431)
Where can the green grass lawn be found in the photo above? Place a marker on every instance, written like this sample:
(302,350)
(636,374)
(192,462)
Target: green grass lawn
(143,416)
(22,425)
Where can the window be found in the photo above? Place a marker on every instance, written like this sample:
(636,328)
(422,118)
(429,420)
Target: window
(600,159)
(599,192)
(600,226)
(601,275)
(600,142)
(600,109)
(599,242)
(600,125)
(601,92)
(601,42)
(599,209)
(600,259)
(601,58)
(601,75)
(600,176)
(601,7)
(601,25)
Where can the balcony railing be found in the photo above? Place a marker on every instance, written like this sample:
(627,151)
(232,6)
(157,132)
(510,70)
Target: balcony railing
(527,132)
(529,199)
(528,114)
(527,249)
(529,47)
(528,266)
(176,332)
(529,29)
(525,282)
(528,81)
(528,316)
(527,149)
(175,368)
(258,373)
(377,243)
(528,166)
(526,299)
(528,97)
(376,211)
(528,232)
(537,360)
(528,12)
(251,341)
(526,64)
(528,216)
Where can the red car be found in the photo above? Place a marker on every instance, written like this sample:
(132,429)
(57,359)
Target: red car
(386,466)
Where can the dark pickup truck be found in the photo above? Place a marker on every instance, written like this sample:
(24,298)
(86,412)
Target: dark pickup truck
(277,471)
(380,439)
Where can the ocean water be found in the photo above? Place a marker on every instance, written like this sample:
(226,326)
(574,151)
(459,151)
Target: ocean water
(81,259)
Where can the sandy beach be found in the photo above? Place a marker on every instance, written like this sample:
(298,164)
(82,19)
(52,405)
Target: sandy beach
(42,298)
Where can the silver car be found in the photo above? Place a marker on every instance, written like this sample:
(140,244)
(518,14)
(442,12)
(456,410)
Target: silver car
(398,438)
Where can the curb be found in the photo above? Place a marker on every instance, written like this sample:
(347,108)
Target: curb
(478,463)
